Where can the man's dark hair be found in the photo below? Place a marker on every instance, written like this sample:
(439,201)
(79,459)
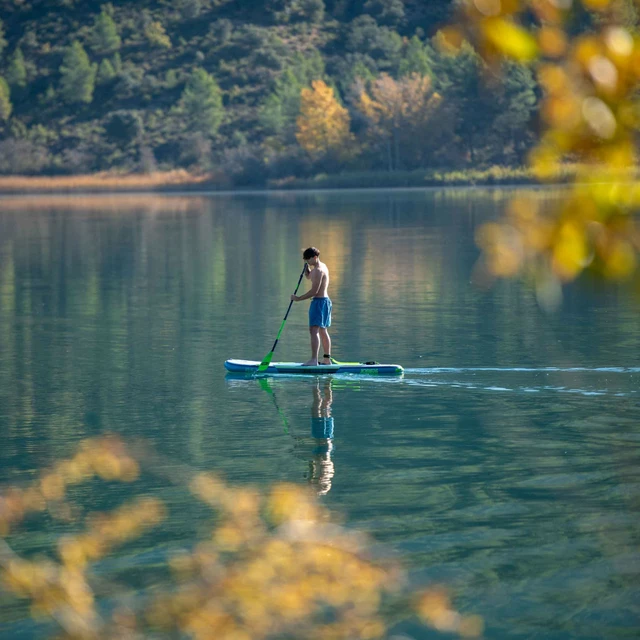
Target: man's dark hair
(310,253)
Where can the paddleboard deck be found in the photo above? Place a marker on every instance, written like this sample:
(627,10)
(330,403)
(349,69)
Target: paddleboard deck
(362,368)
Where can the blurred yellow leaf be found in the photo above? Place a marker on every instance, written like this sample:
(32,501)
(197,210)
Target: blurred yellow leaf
(596,5)
(449,39)
(604,73)
(510,39)
(562,112)
(619,42)
(585,48)
(52,486)
(471,627)
(553,78)
(488,7)
(552,41)
(570,251)
(621,261)
(599,117)
(544,161)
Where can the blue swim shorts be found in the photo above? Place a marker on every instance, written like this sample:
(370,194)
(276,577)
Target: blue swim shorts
(320,312)
(322,427)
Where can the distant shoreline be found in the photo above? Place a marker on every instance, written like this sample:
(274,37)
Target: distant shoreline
(183,181)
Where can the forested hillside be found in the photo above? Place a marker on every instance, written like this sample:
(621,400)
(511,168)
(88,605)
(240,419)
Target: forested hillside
(250,89)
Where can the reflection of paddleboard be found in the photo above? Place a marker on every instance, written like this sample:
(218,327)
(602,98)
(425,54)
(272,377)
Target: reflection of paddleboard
(251,366)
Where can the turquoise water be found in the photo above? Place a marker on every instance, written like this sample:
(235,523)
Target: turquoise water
(504,464)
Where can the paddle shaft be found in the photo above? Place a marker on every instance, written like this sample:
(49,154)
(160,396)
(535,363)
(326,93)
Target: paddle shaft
(265,387)
(267,359)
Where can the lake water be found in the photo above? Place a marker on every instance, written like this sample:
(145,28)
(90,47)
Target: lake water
(505,464)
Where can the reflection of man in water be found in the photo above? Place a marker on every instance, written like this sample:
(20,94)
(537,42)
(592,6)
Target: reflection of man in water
(320,465)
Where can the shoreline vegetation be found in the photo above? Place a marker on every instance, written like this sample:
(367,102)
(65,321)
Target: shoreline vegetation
(182,180)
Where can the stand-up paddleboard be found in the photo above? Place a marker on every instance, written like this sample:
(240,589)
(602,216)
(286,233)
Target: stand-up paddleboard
(363,368)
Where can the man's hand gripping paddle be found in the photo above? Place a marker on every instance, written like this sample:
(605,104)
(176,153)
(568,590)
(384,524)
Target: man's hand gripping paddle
(266,361)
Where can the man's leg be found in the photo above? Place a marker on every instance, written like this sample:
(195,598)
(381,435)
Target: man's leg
(315,345)
(326,344)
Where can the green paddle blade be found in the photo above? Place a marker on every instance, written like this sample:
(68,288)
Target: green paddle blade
(264,365)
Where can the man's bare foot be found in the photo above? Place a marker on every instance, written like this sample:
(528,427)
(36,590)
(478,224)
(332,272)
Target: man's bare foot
(310,363)
(326,361)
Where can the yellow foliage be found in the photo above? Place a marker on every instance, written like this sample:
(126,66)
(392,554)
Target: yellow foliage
(590,113)
(274,566)
(435,608)
(410,101)
(401,113)
(323,123)
(509,39)
(553,41)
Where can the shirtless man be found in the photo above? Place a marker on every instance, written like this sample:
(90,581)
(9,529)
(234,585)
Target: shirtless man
(320,309)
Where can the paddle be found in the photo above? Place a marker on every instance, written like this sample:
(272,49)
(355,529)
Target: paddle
(264,385)
(266,361)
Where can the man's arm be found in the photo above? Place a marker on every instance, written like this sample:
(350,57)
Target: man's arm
(316,281)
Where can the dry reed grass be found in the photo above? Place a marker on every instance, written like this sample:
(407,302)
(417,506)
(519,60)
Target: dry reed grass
(113,202)
(103,182)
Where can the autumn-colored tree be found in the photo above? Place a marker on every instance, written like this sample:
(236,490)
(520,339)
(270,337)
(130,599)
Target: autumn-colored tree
(323,123)
(156,35)
(400,115)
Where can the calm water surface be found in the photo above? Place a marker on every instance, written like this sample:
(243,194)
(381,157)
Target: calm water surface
(505,464)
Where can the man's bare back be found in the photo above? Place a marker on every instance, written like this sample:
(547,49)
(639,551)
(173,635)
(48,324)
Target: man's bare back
(319,277)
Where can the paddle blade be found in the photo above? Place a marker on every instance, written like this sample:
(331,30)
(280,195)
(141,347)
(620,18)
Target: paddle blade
(264,365)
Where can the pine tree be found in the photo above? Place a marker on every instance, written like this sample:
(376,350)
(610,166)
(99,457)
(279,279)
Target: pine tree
(323,123)
(17,70)
(201,103)
(78,75)
(415,59)
(105,38)
(280,110)
(3,42)
(171,79)
(106,72)
(460,78)
(117,63)
(516,96)
(5,100)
